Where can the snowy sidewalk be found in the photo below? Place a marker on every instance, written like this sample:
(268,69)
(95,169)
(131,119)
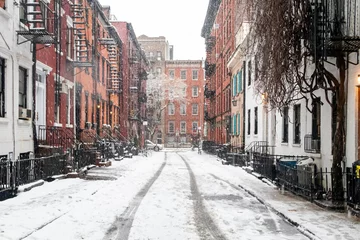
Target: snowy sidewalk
(310,218)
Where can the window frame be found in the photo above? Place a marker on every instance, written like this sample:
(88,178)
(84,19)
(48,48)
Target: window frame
(195,76)
(171,74)
(173,126)
(182,130)
(285,126)
(297,124)
(181,74)
(171,109)
(193,91)
(23,95)
(183,109)
(197,109)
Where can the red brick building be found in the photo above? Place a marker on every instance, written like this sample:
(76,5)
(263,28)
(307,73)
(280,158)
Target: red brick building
(184,116)
(134,68)
(78,81)
(218,31)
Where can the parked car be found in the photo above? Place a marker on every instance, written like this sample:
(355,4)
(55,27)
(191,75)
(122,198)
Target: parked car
(149,144)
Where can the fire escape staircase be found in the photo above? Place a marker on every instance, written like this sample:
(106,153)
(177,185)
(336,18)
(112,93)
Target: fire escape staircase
(82,45)
(36,19)
(329,33)
(115,78)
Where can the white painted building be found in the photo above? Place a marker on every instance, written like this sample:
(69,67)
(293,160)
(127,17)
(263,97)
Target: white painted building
(246,102)
(16,136)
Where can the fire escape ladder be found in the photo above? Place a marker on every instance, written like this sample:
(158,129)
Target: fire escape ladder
(114,72)
(82,46)
(36,17)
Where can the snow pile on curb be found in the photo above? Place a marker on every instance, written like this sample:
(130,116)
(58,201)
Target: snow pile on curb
(30,186)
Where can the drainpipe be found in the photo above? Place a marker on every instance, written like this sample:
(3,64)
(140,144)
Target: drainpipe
(244,102)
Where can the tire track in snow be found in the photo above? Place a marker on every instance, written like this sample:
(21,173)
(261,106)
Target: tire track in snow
(271,210)
(42,226)
(205,225)
(120,229)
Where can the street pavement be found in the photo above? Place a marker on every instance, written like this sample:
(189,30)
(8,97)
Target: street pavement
(172,194)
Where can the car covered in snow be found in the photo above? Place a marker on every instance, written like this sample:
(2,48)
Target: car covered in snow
(150,145)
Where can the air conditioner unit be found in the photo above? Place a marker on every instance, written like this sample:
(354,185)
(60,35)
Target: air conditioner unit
(315,144)
(24,113)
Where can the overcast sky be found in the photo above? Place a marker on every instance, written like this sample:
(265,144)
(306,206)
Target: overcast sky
(180,21)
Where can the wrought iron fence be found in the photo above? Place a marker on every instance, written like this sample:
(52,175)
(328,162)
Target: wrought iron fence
(85,158)
(7,179)
(24,171)
(265,165)
(30,170)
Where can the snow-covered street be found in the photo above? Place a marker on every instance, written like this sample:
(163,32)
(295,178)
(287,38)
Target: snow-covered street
(168,195)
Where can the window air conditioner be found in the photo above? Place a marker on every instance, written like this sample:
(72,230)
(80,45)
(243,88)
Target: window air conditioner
(24,113)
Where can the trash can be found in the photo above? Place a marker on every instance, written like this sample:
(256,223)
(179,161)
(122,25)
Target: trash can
(356,169)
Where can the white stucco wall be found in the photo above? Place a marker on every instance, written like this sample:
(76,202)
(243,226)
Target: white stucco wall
(15,134)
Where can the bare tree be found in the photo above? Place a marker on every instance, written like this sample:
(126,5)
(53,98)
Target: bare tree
(295,43)
(162,91)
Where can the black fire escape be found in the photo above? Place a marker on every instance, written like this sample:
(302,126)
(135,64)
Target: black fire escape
(82,49)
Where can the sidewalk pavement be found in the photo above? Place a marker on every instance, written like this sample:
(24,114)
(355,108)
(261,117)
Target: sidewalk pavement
(312,220)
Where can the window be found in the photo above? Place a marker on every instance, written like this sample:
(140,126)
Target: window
(195,127)
(68,106)
(86,108)
(183,109)
(285,132)
(159,56)
(158,71)
(69,44)
(249,119)
(333,116)
(2,87)
(22,87)
(195,109)
(249,73)
(234,86)
(22,13)
(183,74)
(2,4)
(171,127)
(238,124)
(183,127)
(195,74)
(297,124)
(171,74)
(184,92)
(103,70)
(195,91)
(256,120)
(316,118)
(171,109)
(234,118)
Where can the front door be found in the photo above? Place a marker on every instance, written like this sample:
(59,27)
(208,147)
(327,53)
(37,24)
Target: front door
(40,111)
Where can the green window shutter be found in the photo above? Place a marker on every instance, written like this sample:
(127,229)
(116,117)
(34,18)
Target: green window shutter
(238,123)
(234,126)
(239,78)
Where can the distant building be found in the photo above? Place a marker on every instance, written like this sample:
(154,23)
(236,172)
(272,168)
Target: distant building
(184,117)
(157,51)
